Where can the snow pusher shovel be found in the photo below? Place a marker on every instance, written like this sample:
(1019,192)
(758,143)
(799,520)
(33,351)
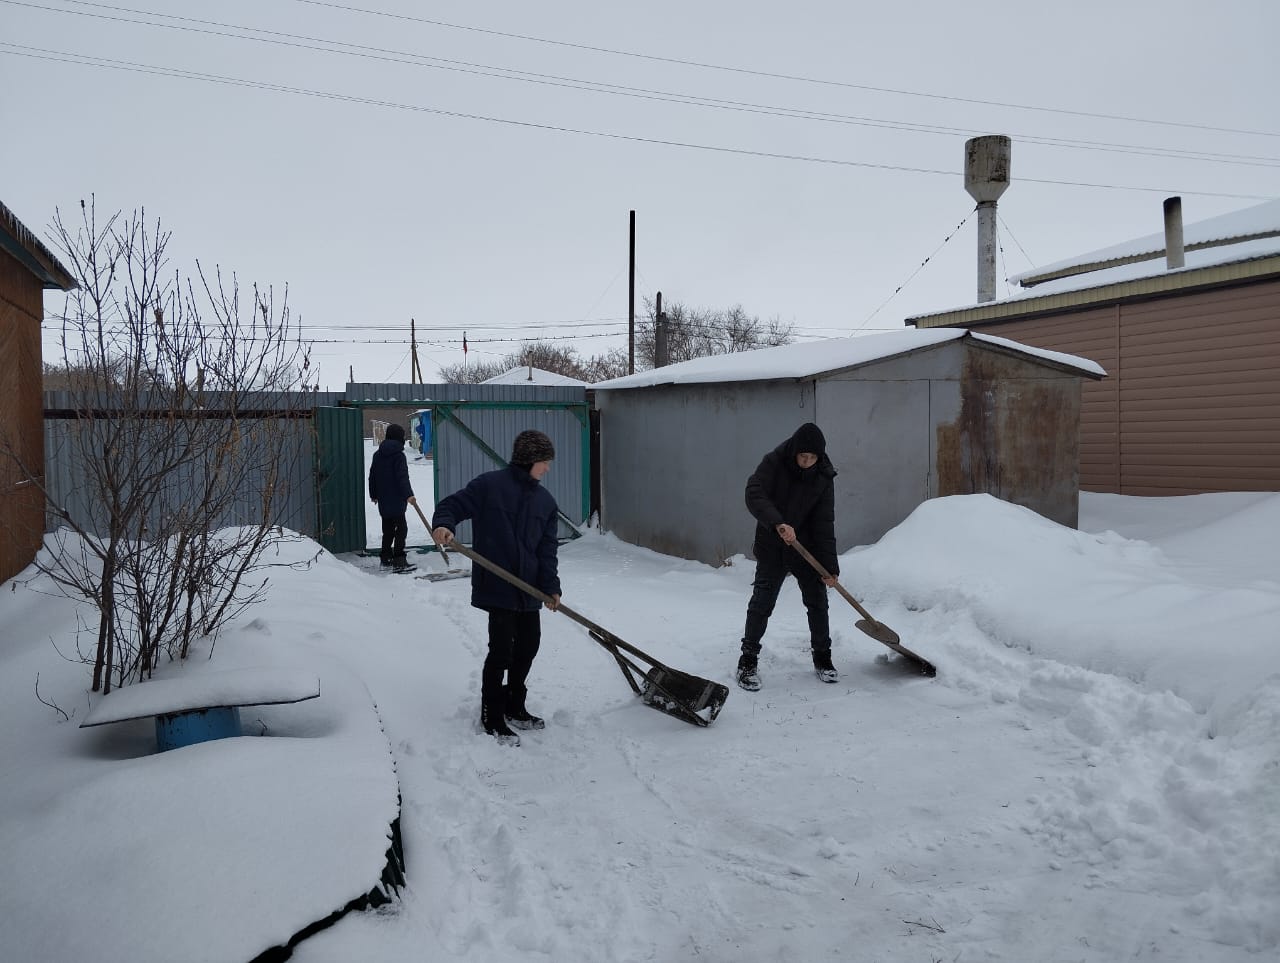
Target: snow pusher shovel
(450,572)
(687,697)
(877,630)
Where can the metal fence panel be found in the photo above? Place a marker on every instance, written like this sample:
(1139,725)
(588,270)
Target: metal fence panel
(280,453)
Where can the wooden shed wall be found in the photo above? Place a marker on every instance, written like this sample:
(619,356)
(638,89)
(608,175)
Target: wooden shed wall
(21,421)
(1192,399)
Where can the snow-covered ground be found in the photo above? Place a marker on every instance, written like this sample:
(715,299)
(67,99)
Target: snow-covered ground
(1093,775)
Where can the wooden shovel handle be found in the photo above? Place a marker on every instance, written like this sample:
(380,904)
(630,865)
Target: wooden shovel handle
(805,554)
(545,599)
(440,548)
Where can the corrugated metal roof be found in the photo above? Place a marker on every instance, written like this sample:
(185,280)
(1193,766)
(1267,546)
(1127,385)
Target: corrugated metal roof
(31,253)
(423,395)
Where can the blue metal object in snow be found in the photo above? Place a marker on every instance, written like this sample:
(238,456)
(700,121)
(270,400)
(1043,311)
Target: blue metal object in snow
(178,729)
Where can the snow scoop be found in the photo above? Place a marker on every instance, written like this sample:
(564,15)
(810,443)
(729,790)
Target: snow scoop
(687,697)
(867,624)
(449,571)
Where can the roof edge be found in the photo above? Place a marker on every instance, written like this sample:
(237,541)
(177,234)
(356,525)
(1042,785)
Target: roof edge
(30,252)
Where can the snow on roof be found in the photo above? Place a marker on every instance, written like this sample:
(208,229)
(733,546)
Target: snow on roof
(527,375)
(1135,270)
(814,358)
(1259,221)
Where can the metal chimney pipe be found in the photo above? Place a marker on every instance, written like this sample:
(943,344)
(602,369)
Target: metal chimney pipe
(1175,255)
(986,177)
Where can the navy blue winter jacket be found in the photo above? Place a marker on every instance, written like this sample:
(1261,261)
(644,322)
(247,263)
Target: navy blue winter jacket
(513,524)
(389,479)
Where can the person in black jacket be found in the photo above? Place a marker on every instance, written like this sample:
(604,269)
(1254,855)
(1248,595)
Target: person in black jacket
(792,496)
(514,522)
(390,489)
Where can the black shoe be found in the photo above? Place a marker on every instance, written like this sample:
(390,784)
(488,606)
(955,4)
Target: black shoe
(385,563)
(748,674)
(523,719)
(822,666)
(495,725)
(516,713)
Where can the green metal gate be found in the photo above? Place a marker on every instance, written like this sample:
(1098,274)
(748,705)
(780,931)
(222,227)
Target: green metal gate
(340,481)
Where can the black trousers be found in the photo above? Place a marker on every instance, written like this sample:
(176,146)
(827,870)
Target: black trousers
(395,529)
(770,574)
(514,638)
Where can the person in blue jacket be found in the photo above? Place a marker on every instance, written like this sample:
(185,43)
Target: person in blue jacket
(514,521)
(390,489)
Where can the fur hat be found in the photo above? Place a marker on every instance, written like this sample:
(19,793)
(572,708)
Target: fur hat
(531,446)
(395,432)
(809,437)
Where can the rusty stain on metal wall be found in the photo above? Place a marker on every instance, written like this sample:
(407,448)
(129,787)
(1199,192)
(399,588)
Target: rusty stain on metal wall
(1016,437)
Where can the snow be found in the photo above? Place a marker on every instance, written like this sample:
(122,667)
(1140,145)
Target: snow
(1260,219)
(527,375)
(1091,776)
(807,359)
(253,686)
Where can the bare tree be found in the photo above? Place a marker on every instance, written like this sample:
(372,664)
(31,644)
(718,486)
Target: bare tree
(184,410)
(538,354)
(701,332)
(691,333)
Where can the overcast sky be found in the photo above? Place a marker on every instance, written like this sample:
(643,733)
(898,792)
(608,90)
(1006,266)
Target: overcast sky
(410,172)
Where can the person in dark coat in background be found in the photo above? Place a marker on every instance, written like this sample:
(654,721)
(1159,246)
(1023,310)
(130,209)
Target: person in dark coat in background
(792,496)
(514,522)
(390,489)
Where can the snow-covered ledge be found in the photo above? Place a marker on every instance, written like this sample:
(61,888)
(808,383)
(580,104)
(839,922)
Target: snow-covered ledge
(248,844)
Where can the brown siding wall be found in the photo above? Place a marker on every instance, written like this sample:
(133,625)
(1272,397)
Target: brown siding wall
(1192,399)
(21,416)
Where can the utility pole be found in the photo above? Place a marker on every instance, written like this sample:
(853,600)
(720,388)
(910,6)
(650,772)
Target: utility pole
(415,372)
(659,335)
(631,303)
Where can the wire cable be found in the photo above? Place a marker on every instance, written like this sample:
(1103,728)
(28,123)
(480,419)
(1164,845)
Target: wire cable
(323,45)
(58,56)
(783,76)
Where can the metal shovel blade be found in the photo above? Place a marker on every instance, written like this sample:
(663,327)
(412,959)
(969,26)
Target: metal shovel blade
(878,631)
(687,697)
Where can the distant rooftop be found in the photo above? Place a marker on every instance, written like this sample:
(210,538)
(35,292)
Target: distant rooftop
(529,375)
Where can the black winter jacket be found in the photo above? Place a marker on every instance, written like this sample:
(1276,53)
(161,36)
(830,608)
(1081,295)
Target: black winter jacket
(781,491)
(514,521)
(389,479)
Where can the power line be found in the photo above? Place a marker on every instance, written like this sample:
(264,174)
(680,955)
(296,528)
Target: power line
(303,42)
(41,53)
(783,76)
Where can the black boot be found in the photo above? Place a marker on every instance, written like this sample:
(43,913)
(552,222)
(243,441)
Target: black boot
(822,666)
(748,673)
(491,719)
(517,714)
